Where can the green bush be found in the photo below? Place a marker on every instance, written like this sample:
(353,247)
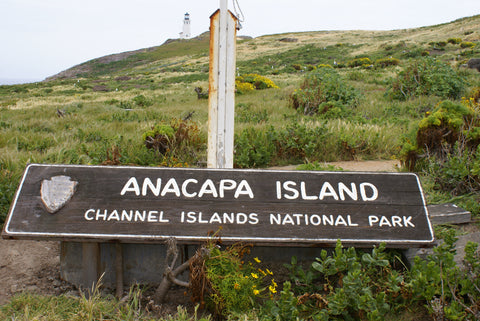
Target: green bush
(385,62)
(254,147)
(360,62)
(454,41)
(243,87)
(450,292)
(467,44)
(177,144)
(297,67)
(259,82)
(427,76)
(245,114)
(271,146)
(442,126)
(285,307)
(231,285)
(346,285)
(323,85)
(446,147)
(8,186)
(438,44)
(142,101)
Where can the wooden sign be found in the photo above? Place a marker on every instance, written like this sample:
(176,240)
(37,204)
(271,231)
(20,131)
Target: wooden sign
(137,204)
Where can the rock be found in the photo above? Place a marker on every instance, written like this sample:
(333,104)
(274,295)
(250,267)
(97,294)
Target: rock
(460,245)
(462,241)
(474,63)
(410,254)
(14,288)
(32,289)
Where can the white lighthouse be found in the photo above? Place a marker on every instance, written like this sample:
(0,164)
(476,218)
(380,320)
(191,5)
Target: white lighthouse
(185,34)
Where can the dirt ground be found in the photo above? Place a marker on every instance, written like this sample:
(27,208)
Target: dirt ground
(34,266)
(31,266)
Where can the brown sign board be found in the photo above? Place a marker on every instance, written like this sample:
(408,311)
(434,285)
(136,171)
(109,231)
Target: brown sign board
(140,204)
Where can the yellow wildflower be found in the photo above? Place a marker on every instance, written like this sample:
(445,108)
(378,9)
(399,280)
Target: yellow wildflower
(254,275)
(257,260)
(256,292)
(236,286)
(274,283)
(269,272)
(272,289)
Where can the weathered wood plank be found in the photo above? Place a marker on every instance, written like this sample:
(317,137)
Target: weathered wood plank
(448,214)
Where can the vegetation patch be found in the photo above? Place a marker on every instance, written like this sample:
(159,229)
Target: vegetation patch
(324,91)
(427,76)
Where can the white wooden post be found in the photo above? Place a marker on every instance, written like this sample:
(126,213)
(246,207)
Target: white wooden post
(221,88)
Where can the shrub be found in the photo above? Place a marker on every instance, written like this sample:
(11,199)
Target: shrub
(360,62)
(347,285)
(446,147)
(142,101)
(297,67)
(8,186)
(254,147)
(259,82)
(243,87)
(440,44)
(324,66)
(298,142)
(451,292)
(176,143)
(293,144)
(227,283)
(467,44)
(442,127)
(385,62)
(454,41)
(323,85)
(244,114)
(427,76)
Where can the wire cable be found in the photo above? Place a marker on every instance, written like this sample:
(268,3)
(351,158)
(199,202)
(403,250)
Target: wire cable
(238,13)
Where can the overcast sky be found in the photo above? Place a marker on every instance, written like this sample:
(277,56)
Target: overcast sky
(40,38)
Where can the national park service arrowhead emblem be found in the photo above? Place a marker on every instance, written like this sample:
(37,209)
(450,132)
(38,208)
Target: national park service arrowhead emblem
(56,192)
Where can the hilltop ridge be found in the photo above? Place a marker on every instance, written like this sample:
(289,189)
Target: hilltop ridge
(177,51)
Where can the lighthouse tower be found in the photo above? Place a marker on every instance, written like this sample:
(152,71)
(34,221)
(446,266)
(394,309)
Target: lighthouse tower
(185,34)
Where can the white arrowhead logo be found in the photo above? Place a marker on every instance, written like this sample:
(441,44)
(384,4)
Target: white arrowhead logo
(56,192)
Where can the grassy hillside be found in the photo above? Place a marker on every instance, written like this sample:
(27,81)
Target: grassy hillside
(359,42)
(102,110)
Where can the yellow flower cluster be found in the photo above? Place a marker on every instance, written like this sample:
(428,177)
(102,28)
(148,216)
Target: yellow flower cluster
(259,82)
(243,87)
(472,103)
(273,287)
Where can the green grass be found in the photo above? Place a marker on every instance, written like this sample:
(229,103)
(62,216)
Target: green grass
(28,307)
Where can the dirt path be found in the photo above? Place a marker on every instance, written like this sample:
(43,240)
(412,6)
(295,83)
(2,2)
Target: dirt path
(363,166)
(34,266)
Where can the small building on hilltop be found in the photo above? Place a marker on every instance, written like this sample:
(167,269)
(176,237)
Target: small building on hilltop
(186,33)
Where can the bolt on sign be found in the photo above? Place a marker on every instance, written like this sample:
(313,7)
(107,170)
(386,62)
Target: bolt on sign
(138,204)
